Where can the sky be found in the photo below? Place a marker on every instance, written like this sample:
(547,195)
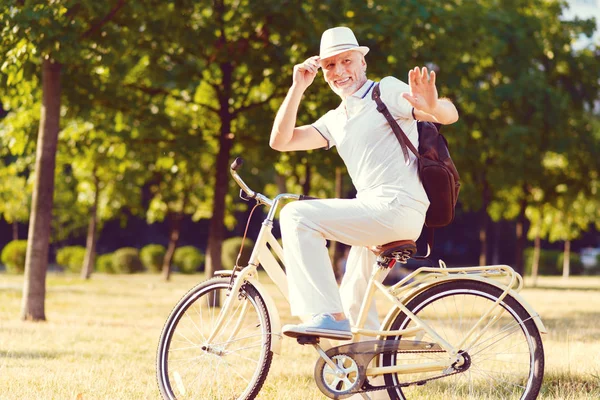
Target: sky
(584,9)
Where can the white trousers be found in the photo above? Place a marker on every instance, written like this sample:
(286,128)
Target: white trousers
(305,227)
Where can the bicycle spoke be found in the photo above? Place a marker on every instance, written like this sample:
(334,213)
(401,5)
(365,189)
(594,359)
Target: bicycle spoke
(489,376)
(495,342)
(198,330)
(234,364)
(500,351)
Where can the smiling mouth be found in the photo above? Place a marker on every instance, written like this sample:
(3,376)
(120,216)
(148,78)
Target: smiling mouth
(342,82)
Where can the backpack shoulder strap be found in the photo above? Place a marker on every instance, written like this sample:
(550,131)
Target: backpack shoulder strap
(429,245)
(400,135)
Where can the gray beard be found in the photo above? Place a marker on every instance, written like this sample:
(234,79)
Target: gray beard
(349,91)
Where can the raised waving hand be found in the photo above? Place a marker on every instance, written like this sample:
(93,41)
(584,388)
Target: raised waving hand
(423,94)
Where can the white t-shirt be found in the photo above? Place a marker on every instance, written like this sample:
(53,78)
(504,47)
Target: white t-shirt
(369,148)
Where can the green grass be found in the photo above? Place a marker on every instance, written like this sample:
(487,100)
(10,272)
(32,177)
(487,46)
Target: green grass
(100,339)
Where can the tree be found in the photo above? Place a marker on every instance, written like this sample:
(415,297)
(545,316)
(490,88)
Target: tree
(106,174)
(523,88)
(17,148)
(178,187)
(14,196)
(34,290)
(50,38)
(232,79)
(507,65)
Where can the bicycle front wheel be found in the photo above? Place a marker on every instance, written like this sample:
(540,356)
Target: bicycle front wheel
(234,365)
(504,355)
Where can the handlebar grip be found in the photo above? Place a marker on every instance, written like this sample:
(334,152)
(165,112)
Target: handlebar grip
(303,197)
(237,163)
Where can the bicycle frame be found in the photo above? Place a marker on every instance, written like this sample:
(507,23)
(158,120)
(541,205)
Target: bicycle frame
(399,294)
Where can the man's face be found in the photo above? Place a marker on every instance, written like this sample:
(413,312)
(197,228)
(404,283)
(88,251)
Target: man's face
(345,73)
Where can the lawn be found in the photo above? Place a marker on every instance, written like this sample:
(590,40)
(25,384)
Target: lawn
(100,339)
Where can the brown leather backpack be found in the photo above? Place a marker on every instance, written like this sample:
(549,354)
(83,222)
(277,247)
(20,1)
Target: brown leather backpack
(436,169)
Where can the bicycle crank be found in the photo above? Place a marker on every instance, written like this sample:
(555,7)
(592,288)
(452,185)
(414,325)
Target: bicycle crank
(343,372)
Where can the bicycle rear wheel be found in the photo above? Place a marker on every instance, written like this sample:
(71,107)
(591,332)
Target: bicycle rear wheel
(232,366)
(505,354)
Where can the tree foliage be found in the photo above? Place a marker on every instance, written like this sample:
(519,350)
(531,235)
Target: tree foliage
(157,98)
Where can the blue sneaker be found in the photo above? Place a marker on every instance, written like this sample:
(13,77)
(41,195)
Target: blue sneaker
(322,325)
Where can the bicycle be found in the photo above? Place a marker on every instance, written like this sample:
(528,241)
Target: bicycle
(449,333)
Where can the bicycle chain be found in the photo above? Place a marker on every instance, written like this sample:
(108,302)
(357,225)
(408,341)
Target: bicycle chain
(404,384)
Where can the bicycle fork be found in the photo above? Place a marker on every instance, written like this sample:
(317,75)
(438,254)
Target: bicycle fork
(228,306)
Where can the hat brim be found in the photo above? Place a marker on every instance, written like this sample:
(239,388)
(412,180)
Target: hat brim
(361,49)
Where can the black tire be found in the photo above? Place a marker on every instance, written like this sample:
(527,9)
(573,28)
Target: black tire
(230,367)
(506,362)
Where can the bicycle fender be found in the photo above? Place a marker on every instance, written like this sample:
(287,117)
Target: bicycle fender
(532,313)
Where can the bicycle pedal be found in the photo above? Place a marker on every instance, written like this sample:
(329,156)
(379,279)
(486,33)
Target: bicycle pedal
(308,340)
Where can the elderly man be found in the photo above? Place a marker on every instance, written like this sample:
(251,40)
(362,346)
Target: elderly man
(390,204)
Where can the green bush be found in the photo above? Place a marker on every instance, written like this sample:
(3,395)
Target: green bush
(595,270)
(13,256)
(548,262)
(575,264)
(231,248)
(188,259)
(104,263)
(152,257)
(71,258)
(127,261)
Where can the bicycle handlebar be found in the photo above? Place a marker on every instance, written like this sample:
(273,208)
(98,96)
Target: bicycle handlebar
(233,168)
(260,198)
(237,163)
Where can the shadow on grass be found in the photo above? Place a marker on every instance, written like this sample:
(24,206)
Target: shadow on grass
(11,288)
(18,290)
(47,355)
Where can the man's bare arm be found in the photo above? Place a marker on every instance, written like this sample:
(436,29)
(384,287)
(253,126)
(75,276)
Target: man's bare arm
(423,97)
(304,138)
(445,113)
(285,136)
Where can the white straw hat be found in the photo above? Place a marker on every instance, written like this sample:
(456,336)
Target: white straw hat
(338,40)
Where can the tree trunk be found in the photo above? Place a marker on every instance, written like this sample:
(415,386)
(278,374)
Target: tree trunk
(306,181)
(496,242)
(335,248)
(92,234)
(36,262)
(521,238)
(483,239)
(535,265)
(567,260)
(484,223)
(174,231)
(15,230)
(217,229)
(216,232)
(280,180)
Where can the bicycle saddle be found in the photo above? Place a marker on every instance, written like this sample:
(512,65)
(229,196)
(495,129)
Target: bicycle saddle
(408,247)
